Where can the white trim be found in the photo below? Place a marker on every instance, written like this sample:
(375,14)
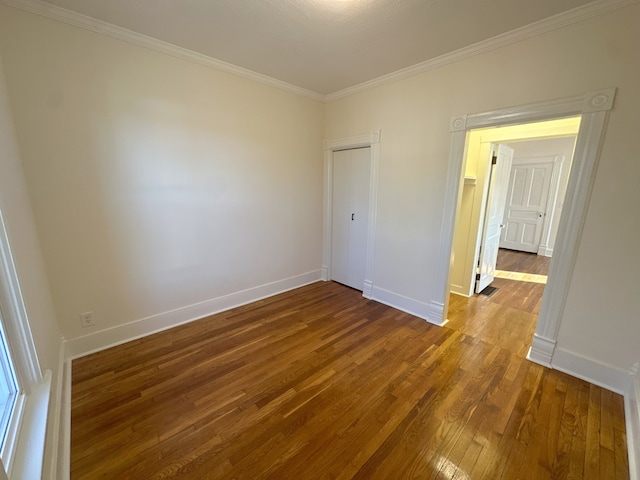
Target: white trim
(367,289)
(64,438)
(58,439)
(457,290)
(23,349)
(435,314)
(372,140)
(590,370)
(70,17)
(545,251)
(581,179)
(29,455)
(400,302)
(324,273)
(554,22)
(632,422)
(431,312)
(541,350)
(13,433)
(537,28)
(110,337)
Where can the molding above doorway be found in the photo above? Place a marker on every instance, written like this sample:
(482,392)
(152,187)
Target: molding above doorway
(593,108)
(372,140)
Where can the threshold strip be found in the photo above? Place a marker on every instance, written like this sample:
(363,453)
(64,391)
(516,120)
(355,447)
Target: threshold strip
(521,277)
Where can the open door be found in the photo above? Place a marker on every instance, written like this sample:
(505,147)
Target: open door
(496,198)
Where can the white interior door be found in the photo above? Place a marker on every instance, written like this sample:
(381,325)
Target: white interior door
(350,216)
(527,200)
(494,212)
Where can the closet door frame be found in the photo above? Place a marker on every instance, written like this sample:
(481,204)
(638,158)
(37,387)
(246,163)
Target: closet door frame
(372,140)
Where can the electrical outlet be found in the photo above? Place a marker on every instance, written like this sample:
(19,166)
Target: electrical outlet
(87,320)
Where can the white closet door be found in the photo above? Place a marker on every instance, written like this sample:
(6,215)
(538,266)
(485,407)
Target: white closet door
(350,213)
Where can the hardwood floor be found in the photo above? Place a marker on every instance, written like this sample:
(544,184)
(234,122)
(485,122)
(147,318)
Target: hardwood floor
(522,262)
(319,383)
(507,318)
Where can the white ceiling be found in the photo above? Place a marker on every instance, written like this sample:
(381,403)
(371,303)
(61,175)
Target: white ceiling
(321,45)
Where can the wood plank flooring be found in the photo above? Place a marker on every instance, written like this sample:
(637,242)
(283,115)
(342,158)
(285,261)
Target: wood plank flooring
(522,262)
(319,383)
(507,318)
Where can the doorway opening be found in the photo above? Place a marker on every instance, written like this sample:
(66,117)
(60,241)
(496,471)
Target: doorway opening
(593,107)
(515,178)
(512,195)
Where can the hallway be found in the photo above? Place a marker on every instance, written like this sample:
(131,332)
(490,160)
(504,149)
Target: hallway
(508,317)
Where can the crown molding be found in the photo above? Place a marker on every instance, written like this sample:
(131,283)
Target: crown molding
(554,22)
(98,26)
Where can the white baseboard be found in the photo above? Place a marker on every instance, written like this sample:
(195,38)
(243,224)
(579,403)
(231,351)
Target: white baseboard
(459,290)
(428,312)
(592,371)
(435,313)
(324,273)
(545,251)
(541,350)
(64,436)
(100,340)
(55,440)
(632,420)
(367,289)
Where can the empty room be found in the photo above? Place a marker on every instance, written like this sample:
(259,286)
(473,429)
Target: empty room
(280,239)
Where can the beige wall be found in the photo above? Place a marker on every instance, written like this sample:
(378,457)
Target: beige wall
(27,256)
(601,316)
(21,231)
(157,183)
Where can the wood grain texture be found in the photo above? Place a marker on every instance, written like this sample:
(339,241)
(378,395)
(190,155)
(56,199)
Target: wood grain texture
(321,383)
(523,262)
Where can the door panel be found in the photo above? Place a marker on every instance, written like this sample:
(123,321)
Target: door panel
(359,219)
(494,212)
(350,216)
(526,208)
(341,227)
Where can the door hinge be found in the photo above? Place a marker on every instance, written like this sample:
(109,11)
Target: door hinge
(477,276)
(494,159)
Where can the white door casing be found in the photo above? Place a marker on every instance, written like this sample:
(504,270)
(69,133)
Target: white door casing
(497,193)
(350,213)
(372,140)
(593,107)
(527,204)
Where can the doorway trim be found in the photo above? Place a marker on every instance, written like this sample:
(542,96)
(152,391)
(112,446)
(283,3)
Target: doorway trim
(372,140)
(593,108)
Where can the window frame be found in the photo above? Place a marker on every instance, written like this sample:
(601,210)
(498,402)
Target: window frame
(21,349)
